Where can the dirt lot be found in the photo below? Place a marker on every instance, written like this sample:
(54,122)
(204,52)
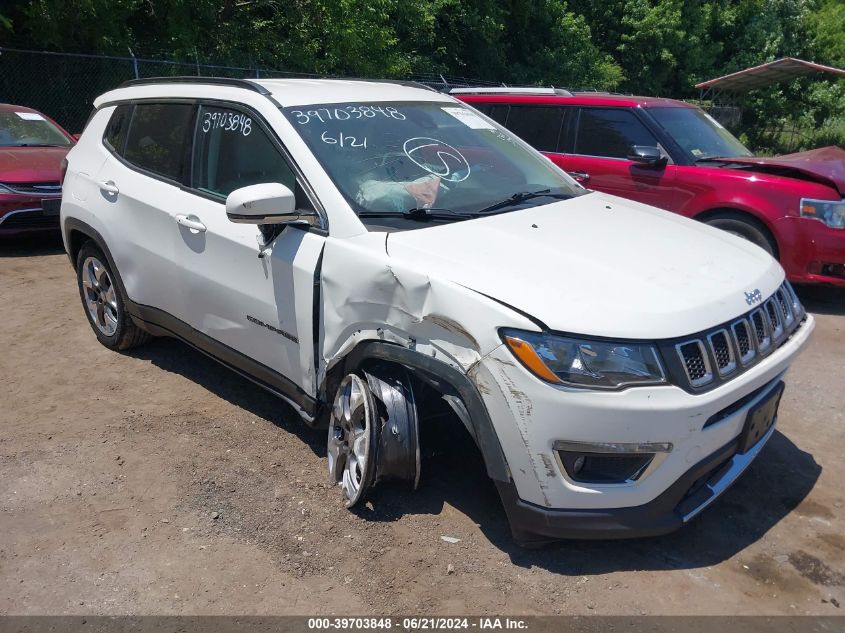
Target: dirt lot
(113,468)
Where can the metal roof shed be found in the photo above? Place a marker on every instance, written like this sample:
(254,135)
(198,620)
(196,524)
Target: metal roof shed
(763,75)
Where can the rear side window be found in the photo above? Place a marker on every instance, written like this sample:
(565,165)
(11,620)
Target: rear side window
(610,132)
(115,134)
(539,126)
(159,138)
(232,150)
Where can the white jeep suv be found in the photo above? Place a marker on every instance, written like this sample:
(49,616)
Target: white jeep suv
(358,247)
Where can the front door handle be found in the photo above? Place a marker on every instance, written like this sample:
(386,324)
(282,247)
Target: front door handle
(190,221)
(579,176)
(109,187)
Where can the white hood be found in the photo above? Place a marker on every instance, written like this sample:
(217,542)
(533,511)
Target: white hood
(598,265)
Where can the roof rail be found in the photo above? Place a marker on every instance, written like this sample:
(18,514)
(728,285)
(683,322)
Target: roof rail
(410,83)
(214,81)
(510,90)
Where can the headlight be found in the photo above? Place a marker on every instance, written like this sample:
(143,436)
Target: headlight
(585,363)
(831,212)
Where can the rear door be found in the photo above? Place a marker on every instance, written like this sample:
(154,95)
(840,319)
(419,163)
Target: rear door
(140,194)
(599,141)
(256,313)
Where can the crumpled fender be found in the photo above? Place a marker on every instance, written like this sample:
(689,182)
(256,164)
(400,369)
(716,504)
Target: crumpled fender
(367,295)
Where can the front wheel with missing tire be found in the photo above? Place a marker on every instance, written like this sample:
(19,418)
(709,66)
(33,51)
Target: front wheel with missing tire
(352,439)
(103,301)
(373,431)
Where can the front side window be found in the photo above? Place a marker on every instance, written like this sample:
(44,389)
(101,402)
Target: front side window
(403,157)
(29,129)
(538,126)
(232,150)
(496,111)
(610,132)
(159,138)
(698,134)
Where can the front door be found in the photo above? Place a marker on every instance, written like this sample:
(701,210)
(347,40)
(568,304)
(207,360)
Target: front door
(257,311)
(602,139)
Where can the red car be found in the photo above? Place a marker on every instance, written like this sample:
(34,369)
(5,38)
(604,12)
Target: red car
(673,155)
(32,147)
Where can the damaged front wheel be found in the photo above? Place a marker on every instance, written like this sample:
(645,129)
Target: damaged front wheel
(351,441)
(373,432)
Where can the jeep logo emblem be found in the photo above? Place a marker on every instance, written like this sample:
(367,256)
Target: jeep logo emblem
(755,296)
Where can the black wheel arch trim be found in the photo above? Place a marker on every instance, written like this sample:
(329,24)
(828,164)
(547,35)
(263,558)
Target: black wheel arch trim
(445,379)
(72,225)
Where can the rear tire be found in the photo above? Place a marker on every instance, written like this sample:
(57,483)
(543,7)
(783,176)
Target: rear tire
(745,227)
(103,302)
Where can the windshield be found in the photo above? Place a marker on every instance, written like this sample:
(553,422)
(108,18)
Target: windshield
(390,159)
(699,135)
(29,129)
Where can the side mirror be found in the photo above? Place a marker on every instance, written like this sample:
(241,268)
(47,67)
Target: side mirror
(266,203)
(646,155)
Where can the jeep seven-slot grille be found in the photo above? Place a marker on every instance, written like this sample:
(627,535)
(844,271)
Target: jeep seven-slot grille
(718,354)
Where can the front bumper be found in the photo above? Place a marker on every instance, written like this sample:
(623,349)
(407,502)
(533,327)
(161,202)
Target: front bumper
(811,251)
(700,486)
(24,214)
(532,418)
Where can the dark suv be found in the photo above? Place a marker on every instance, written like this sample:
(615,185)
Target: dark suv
(673,155)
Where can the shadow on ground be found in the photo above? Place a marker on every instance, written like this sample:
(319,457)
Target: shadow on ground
(179,358)
(453,473)
(822,299)
(32,246)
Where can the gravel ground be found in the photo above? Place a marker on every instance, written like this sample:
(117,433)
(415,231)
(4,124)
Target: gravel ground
(157,482)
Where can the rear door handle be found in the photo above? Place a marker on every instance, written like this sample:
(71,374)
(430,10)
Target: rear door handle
(579,176)
(190,221)
(109,187)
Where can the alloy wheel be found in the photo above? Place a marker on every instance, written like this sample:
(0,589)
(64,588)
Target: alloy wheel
(100,297)
(350,439)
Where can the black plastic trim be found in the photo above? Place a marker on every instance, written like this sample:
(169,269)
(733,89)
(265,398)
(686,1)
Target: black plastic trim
(733,408)
(264,376)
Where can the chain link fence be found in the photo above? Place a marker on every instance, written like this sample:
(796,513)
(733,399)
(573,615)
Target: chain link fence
(64,85)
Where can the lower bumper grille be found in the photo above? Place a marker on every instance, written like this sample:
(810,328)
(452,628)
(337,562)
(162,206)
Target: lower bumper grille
(29,219)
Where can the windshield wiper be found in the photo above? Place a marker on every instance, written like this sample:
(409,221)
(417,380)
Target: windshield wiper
(421,213)
(712,159)
(522,196)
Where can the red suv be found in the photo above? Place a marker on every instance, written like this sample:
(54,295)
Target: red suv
(32,147)
(673,155)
